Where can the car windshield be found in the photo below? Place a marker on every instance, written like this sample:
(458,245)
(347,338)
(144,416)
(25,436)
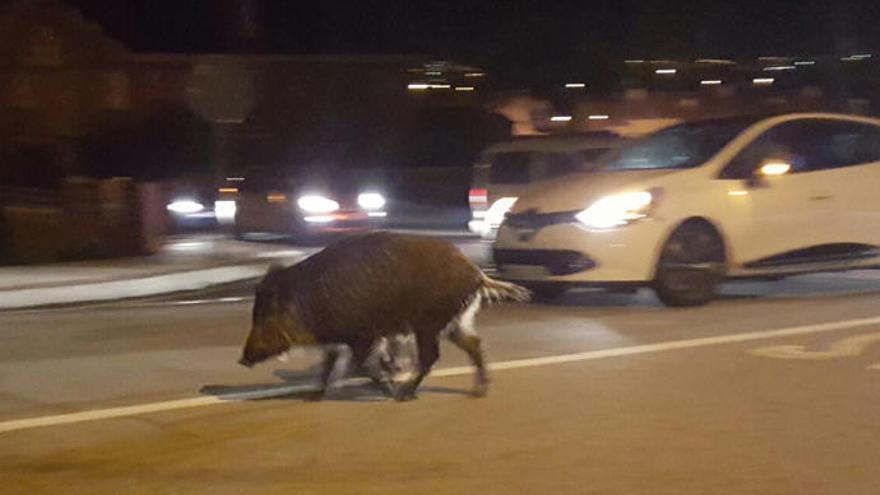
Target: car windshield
(681,146)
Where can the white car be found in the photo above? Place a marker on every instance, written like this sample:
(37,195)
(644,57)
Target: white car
(690,205)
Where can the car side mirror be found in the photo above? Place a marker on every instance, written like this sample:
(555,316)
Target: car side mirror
(768,169)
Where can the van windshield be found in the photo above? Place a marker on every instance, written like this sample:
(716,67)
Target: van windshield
(681,146)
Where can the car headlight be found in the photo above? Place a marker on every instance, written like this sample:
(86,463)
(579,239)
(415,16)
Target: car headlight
(225,210)
(314,203)
(495,213)
(617,210)
(371,201)
(185,206)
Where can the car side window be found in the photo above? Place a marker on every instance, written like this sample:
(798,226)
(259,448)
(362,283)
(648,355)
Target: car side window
(808,145)
(853,144)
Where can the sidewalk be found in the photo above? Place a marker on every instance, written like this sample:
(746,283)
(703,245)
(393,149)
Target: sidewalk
(185,263)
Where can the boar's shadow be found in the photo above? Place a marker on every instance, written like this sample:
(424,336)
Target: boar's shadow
(301,384)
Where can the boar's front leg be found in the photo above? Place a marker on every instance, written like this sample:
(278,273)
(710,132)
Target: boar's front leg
(331,356)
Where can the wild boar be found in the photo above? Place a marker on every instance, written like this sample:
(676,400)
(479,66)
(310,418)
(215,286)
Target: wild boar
(362,290)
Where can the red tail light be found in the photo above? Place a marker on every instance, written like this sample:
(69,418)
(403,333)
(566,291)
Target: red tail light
(478,196)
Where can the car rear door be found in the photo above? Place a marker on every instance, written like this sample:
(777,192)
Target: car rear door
(851,178)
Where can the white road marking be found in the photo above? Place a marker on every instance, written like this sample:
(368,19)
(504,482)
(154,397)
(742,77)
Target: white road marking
(850,346)
(873,367)
(126,411)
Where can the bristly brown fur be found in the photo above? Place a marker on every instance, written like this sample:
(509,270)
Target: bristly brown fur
(363,288)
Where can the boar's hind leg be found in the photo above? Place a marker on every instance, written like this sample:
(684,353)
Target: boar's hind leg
(429,351)
(331,356)
(361,351)
(470,343)
(464,336)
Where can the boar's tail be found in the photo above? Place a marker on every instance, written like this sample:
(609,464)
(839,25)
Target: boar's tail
(497,290)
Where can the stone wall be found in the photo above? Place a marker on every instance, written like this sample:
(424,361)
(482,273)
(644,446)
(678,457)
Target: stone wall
(89,219)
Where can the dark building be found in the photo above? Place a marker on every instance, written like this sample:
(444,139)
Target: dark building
(77,102)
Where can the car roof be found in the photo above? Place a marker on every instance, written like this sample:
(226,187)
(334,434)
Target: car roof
(557,143)
(778,117)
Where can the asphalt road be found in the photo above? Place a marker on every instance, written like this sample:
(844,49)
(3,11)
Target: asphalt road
(600,393)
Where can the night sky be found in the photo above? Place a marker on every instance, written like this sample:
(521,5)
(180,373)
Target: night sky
(521,42)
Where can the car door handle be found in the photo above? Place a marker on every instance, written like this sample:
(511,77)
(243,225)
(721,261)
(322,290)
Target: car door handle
(820,197)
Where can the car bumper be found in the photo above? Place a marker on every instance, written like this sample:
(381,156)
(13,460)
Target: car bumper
(201,219)
(342,223)
(568,253)
(483,229)
(288,223)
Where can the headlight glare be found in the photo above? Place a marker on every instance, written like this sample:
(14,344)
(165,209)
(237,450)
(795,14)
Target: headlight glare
(315,203)
(225,210)
(371,201)
(616,210)
(185,206)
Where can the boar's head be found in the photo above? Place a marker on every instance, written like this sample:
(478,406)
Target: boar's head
(273,328)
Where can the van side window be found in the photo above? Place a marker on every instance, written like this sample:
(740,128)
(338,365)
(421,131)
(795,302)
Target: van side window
(261,181)
(809,145)
(559,164)
(510,168)
(590,159)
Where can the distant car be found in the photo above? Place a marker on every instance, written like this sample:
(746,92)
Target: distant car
(197,203)
(505,170)
(688,206)
(191,204)
(308,206)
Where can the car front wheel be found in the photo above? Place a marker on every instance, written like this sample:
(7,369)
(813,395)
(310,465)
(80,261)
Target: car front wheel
(692,264)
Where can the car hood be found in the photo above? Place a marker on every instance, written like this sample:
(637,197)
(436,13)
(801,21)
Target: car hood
(578,191)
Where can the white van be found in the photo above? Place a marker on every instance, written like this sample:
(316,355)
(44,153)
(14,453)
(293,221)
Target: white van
(506,169)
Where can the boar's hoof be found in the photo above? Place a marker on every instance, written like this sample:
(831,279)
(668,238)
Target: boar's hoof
(480,390)
(314,395)
(405,393)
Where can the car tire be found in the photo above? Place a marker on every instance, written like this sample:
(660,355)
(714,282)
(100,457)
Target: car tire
(691,265)
(546,292)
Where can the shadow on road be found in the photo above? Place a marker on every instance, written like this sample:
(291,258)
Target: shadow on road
(302,385)
(729,293)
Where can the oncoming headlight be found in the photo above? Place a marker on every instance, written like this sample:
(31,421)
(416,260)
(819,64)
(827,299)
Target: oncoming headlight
(185,206)
(371,201)
(617,210)
(225,210)
(314,203)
